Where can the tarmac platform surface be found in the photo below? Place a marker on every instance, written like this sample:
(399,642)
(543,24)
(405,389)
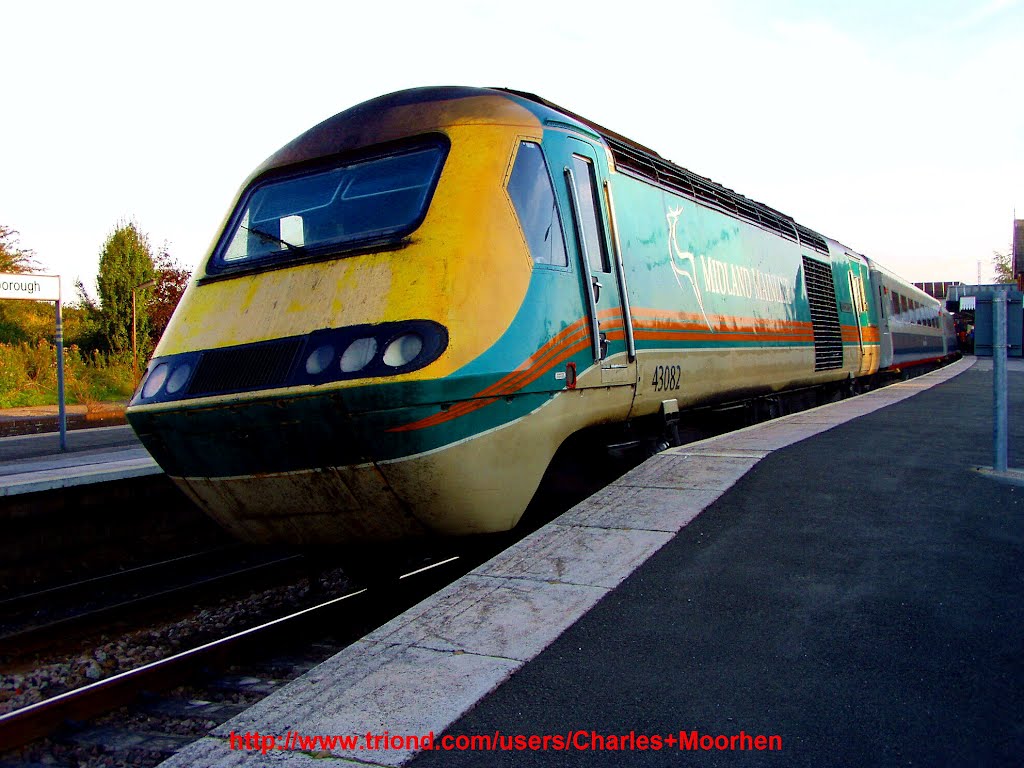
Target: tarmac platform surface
(843,579)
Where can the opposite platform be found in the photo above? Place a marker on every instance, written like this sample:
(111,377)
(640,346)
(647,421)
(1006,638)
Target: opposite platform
(35,463)
(856,593)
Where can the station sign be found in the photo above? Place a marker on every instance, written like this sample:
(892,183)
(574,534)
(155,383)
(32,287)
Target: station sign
(42,288)
(29,286)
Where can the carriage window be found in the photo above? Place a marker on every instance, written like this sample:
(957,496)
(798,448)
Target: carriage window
(533,196)
(359,203)
(586,184)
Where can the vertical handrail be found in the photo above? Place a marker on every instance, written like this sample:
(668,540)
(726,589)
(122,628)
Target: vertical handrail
(858,308)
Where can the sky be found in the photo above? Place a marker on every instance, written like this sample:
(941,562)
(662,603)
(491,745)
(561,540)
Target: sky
(896,127)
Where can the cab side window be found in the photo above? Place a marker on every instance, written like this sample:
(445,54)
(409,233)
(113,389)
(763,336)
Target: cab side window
(586,192)
(533,196)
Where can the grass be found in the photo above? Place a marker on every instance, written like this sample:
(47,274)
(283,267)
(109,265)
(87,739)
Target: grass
(28,376)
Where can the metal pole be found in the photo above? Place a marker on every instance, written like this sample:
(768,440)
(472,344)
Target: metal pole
(135,355)
(61,413)
(999,379)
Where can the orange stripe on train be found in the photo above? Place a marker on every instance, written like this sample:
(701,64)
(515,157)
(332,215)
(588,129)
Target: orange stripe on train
(650,325)
(564,345)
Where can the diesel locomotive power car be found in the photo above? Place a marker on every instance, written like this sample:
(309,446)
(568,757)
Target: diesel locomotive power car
(412,305)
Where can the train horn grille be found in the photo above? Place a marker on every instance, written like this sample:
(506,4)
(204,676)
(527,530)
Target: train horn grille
(253,366)
(828,334)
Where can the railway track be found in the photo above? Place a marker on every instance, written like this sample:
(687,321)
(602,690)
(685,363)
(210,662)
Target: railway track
(57,537)
(272,645)
(59,616)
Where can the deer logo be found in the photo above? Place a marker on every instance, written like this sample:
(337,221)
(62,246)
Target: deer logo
(684,265)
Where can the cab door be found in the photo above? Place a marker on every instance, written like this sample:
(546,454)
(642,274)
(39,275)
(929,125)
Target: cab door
(600,266)
(862,316)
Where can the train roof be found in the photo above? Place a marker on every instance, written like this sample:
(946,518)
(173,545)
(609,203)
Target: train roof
(396,116)
(906,286)
(355,127)
(638,160)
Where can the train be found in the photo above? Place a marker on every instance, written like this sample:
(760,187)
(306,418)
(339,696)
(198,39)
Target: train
(410,307)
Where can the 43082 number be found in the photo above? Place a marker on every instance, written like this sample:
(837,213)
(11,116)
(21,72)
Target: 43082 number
(667,377)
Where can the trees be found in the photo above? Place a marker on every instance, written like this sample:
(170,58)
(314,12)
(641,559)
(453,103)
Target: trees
(13,258)
(97,333)
(171,281)
(1002,265)
(17,316)
(126,262)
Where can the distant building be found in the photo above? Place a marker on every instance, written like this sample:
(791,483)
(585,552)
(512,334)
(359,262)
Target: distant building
(977,299)
(1018,252)
(937,290)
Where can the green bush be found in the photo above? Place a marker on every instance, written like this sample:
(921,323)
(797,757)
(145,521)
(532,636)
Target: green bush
(28,376)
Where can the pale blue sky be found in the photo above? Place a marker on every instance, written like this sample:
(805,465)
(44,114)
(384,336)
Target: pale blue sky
(895,127)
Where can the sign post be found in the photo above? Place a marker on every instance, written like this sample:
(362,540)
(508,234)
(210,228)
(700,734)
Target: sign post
(31,287)
(999,422)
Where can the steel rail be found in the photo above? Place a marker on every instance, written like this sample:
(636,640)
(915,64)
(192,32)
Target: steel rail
(15,603)
(43,718)
(35,638)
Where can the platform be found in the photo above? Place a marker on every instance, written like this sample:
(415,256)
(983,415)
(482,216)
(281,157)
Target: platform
(34,463)
(843,579)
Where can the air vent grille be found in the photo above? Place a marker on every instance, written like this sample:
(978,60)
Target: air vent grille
(812,239)
(828,334)
(253,366)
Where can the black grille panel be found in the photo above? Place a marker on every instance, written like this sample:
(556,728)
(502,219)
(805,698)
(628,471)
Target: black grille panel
(253,366)
(828,334)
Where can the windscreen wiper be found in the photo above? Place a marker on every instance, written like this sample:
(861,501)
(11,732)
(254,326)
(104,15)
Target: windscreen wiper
(271,238)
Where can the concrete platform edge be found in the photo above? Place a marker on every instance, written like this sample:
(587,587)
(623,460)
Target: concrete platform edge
(48,480)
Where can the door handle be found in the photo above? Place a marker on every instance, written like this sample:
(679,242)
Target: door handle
(597,288)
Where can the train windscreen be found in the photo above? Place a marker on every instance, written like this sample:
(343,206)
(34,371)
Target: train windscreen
(353,205)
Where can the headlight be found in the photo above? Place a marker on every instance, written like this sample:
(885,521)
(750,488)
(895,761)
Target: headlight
(319,359)
(155,380)
(178,378)
(358,355)
(403,350)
